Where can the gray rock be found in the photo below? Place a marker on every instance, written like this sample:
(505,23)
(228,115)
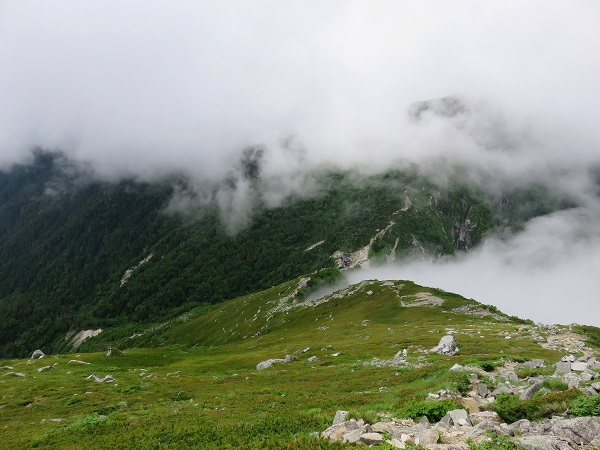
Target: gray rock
(562,367)
(37,354)
(43,369)
(485,416)
(456,368)
(447,346)
(382,426)
(482,429)
(352,436)
(459,414)
(97,379)
(534,363)
(426,437)
(540,442)
(568,358)
(446,420)
(290,358)
(313,359)
(14,374)
(501,390)
(596,386)
(586,375)
(482,390)
(572,379)
(511,376)
(266,364)
(528,392)
(588,390)
(424,422)
(579,366)
(336,432)
(340,416)
(371,439)
(579,431)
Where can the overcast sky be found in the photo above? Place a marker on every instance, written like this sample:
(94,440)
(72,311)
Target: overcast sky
(147,87)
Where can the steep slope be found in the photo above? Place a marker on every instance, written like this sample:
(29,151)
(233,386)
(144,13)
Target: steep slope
(78,253)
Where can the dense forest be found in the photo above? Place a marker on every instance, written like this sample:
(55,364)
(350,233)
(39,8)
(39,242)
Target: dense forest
(67,240)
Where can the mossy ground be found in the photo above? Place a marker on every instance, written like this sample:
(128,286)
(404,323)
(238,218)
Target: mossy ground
(199,388)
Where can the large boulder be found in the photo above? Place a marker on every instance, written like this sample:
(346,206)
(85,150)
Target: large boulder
(528,392)
(37,354)
(578,431)
(447,346)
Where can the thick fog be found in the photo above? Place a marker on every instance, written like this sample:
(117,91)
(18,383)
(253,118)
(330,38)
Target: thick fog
(148,88)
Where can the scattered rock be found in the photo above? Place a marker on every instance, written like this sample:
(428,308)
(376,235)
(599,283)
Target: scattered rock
(313,359)
(290,358)
(97,379)
(42,369)
(14,374)
(76,361)
(266,364)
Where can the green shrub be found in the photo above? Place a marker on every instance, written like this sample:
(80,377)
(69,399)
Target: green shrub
(496,443)
(586,406)
(460,381)
(591,333)
(511,409)
(555,384)
(525,372)
(433,410)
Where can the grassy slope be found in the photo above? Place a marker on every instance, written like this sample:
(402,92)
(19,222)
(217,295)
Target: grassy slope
(200,389)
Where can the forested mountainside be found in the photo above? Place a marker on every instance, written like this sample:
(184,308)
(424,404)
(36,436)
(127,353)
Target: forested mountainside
(78,253)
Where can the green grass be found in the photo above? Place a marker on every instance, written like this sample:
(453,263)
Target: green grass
(199,388)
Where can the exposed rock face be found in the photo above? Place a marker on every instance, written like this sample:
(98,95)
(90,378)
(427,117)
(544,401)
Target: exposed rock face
(37,354)
(78,339)
(447,346)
